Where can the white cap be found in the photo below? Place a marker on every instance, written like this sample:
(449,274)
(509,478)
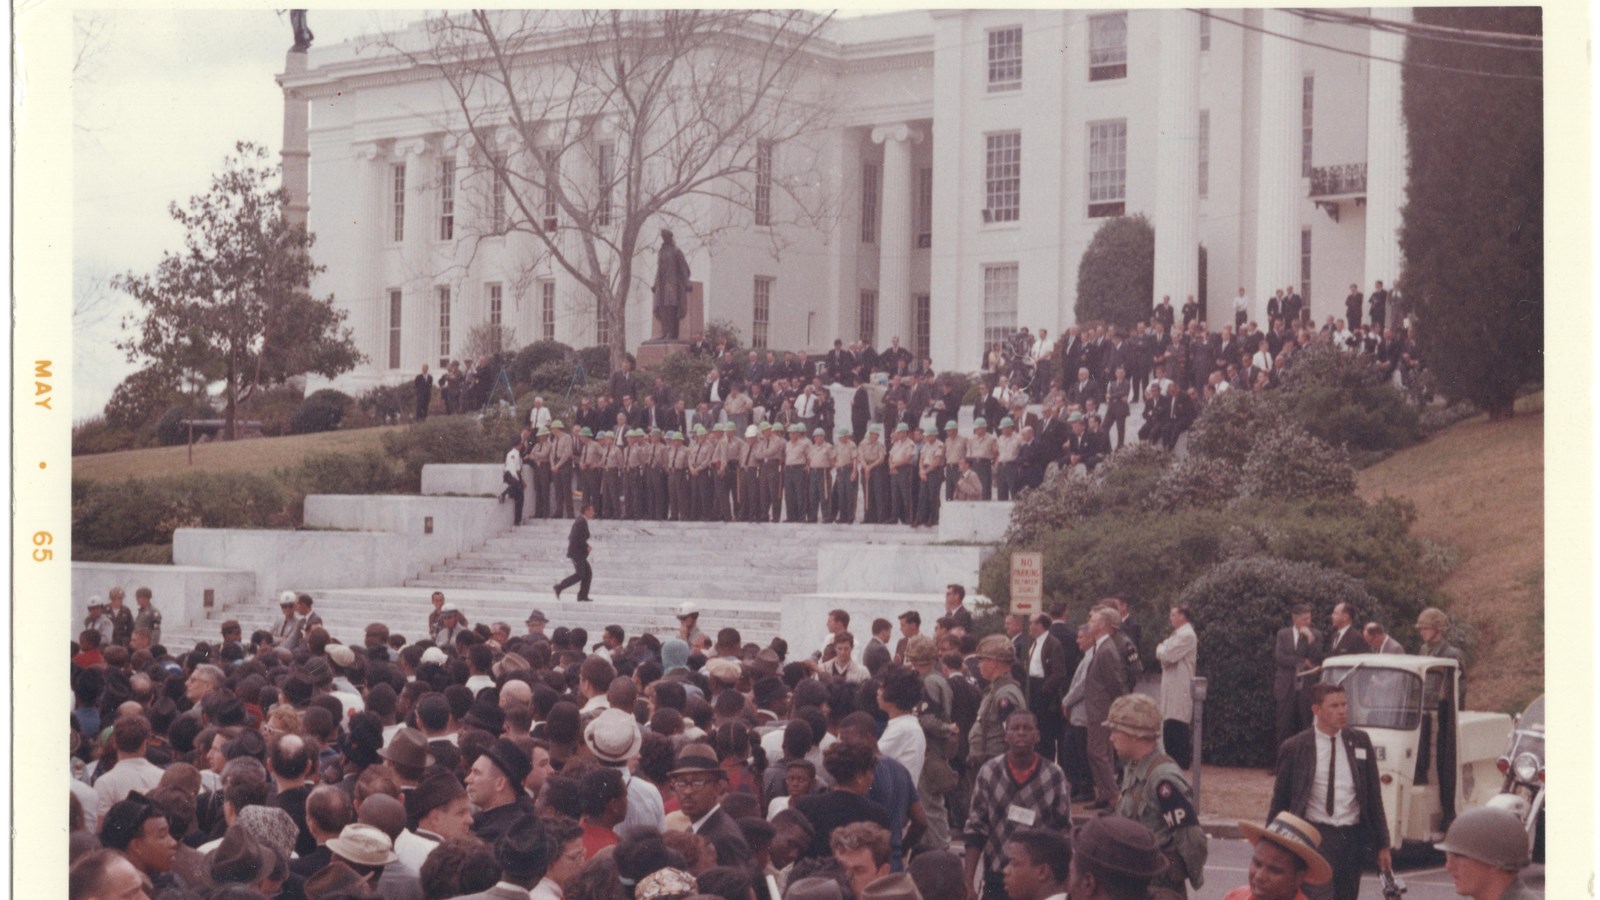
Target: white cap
(687,608)
(751,431)
(433,655)
(286,598)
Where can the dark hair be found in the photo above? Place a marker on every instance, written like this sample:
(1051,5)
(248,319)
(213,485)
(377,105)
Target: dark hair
(846,761)
(600,787)
(129,733)
(726,882)
(842,616)
(460,865)
(1046,848)
(902,687)
(961,592)
(432,711)
(1321,690)
(563,795)
(598,671)
(671,695)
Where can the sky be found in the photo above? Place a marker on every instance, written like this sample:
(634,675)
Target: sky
(159,99)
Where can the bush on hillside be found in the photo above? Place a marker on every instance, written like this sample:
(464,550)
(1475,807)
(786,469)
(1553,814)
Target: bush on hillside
(596,362)
(534,356)
(112,515)
(170,430)
(1116,276)
(322,411)
(1238,608)
(448,439)
(360,472)
(138,400)
(552,379)
(96,435)
(1344,400)
(1196,480)
(1289,463)
(1228,426)
(1438,418)
(1127,478)
(685,373)
(387,405)
(275,408)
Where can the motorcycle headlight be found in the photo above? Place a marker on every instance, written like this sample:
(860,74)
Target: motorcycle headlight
(1527,766)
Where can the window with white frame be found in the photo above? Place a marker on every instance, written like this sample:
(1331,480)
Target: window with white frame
(1002,177)
(602,324)
(397,182)
(444,325)
(1108,47)
(867,318)
(1305,267)
(1108,168)
(763,183)
(925,207)
(547,309)
(605,171)
(394,328)
(922,332)
(497,195)
(761,312)
(552,178)
(1307,91)
(999,303)
(1203,152)
(496,311)
(1205,31)
(869,203)
(1005,59)
(447,199)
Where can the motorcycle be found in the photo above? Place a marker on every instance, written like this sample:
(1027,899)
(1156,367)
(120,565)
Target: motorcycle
(1522,766)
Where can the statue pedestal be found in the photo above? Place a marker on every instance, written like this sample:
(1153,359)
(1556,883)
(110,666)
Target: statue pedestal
(653,351)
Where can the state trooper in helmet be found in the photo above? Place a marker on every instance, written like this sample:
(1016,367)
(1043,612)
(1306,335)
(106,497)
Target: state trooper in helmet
(1004,696)
(1155,793)
(1484,850)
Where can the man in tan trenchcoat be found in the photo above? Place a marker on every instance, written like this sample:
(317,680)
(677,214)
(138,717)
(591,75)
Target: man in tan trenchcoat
(1177,657)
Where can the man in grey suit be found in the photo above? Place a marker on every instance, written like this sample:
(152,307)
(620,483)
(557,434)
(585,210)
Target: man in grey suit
(524,857)
(1103,683)
(1297,649)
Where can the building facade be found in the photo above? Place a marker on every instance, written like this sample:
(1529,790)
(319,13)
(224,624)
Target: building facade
(972,156)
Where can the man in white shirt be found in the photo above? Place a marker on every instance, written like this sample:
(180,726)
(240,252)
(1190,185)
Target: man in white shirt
(1177,655)
(513,481)
(842,667)
(1241,309)
(539,416)
(130,735)
(439,807)
(902,739)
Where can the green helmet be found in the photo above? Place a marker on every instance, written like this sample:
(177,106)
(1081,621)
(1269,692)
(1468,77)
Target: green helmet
(1490,835)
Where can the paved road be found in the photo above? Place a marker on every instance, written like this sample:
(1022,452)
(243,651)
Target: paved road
(1227,868)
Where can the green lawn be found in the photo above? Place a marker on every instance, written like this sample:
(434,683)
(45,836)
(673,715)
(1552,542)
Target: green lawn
(254,455)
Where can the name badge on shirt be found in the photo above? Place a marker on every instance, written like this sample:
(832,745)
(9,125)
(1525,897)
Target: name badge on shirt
(1361,753)
(1022,815)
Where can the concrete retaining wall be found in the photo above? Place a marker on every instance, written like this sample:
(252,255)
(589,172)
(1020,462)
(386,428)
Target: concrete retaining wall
(440,527)
(178,591)
(974,522)
(469,479)
(897,568)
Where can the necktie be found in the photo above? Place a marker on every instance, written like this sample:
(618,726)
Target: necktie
(1333,758)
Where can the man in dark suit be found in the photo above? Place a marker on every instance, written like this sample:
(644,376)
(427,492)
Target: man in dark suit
(1353,302)
(1085,388)
(623,383)
(1163,312)
(1045,674)
(1069,354)
(578,552)
(1297,648)
(701,784)
(422,386)
(1346,637)
(1377,305)
(1328,775)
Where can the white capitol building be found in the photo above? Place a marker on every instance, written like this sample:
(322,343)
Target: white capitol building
(970,158)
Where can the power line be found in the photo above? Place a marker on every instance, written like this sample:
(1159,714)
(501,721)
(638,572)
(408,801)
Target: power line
(1368,56)
(1401,29)
(1392,24)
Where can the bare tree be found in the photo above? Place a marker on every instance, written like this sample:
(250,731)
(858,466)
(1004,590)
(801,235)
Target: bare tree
(593,129)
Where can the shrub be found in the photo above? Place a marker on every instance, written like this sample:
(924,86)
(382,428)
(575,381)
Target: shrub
(387,405)
(1196,480)
(447,439)
(275,409)
(1238,608)
(535,355)
(596,362)
(722,328)
(552,379)
(110,516)
(685,373)
(322,411)
(1438,418)
(140,399)
(361,472)
(1289,463)
(96,435)
(1344,400)
(1117,274)
(1228,426)
(1127,478)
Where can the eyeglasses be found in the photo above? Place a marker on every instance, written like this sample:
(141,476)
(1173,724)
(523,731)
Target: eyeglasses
(692,784)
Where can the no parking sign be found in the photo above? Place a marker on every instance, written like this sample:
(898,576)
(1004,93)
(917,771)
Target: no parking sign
(1027,582)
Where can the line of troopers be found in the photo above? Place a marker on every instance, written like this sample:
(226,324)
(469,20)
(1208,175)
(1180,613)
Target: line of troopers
(713,476)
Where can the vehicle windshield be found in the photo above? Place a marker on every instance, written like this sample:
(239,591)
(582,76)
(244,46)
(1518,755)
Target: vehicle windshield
(1379,698)
(1529,734)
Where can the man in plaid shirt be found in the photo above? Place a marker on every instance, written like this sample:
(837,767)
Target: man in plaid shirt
(1017,790)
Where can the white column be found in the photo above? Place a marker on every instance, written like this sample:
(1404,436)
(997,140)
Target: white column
(416,322)
(296,149)
(894,244)
(1177,210)
(1386,154)
(1278,191)
(369,317)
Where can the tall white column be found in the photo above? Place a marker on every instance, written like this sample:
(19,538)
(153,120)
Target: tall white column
(1177,210)
(296,148)
(1386,155)
(894,244)
(1278,193)
(369,320)
(417,325)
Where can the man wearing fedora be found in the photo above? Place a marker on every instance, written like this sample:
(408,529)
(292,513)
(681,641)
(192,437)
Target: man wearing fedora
(494,785)
(1285,859)
(1328,775)
(701,783)
(440,810)
(1155,793)
(1113,858)
(613,738)
(363,848)
(406,756)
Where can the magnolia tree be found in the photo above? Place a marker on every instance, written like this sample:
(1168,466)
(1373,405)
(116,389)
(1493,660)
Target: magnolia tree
(591,130)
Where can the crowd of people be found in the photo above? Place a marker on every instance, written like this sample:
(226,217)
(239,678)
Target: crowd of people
(486,762)
(764,440)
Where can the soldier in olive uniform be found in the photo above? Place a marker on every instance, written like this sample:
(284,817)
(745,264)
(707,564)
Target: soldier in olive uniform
(819,464)
(845,474)
(589,459)
(1156,794)
(902,476)
(749,483)
(982,449)
(677,467)
(771,449)
(148,618)
(702,473)
(930,479)
(121,619)
(875,475)
(634,463)
(563,450)
(660,462)
(612,461)
(538,459)
(955,450)
(987,738)
(794,473)
(728,446)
